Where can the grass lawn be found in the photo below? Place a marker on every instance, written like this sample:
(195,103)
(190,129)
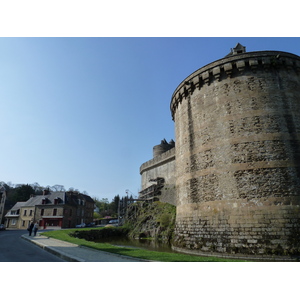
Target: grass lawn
(133,252)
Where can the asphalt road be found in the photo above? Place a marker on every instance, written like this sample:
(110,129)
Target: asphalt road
(15,249)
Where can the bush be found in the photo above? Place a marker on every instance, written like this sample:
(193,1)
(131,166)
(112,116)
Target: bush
(92,235)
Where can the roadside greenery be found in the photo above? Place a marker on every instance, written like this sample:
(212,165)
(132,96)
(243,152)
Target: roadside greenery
(68,235)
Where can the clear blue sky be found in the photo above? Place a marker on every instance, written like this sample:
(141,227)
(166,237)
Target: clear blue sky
(86,112)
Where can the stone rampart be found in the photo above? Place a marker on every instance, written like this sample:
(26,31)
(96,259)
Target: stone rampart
(237,126)
(157,161)
(161,166)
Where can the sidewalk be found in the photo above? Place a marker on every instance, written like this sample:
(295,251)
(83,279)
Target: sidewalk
(74,253)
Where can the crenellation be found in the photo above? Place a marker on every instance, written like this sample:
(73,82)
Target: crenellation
(258,62)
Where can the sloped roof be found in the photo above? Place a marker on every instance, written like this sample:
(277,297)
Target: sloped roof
(18,205)
(38,199)
(73,196)
(66,197)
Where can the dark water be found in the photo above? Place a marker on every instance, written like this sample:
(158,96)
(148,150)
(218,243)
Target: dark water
(137,243)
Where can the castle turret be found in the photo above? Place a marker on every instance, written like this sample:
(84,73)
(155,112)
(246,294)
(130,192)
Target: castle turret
(163,147)
(237,126)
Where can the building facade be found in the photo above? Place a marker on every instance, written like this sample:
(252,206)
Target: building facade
(52,209)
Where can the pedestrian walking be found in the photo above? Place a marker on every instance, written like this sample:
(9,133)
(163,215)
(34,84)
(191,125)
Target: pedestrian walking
(30,227)
(35,228)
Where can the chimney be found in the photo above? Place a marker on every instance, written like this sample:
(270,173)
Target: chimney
(45,192)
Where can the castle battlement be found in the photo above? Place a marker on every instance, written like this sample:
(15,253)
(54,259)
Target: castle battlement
(158,161)
(233,66)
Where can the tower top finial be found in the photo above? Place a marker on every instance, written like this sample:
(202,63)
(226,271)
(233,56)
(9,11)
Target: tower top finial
(237,49)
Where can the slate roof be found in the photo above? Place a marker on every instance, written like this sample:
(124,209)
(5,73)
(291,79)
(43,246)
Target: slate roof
(38,199)
(65,198)
(17,206)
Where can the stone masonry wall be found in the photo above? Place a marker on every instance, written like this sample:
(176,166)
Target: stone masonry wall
(237,124)
(161,166)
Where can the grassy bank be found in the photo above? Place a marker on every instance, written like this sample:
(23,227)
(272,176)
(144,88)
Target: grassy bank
(133,252)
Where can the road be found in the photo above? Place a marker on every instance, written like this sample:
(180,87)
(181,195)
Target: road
(15,249)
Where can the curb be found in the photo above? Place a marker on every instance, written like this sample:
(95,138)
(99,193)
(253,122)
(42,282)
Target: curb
(62,255)
(72,258)
(119,255)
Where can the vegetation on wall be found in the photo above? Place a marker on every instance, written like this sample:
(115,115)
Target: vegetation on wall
(151,220)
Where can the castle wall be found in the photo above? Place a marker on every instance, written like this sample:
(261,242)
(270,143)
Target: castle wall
(162,166)
(237,125)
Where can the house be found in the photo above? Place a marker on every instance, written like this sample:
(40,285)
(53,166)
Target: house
(52,209)
(12,216)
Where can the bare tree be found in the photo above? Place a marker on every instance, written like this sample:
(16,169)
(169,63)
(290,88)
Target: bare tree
(58,188)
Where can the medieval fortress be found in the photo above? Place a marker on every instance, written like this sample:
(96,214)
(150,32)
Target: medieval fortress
(234,174)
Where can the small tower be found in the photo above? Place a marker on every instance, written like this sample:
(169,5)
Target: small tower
(163,147)
(238,49)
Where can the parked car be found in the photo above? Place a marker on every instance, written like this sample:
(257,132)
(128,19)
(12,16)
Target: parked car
(80,225)
(114,222)
(90,224)
(2,227)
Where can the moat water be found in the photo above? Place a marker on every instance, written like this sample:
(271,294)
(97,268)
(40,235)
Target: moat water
(137,243)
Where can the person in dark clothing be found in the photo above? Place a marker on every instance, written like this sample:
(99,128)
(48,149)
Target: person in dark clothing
(30,228)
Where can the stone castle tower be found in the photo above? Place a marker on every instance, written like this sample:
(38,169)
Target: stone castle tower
(237,126)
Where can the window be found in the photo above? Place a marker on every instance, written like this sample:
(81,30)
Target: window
(30,213)
(25,212)
(13,222)
(54,211)
(23,223)
(42,212)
